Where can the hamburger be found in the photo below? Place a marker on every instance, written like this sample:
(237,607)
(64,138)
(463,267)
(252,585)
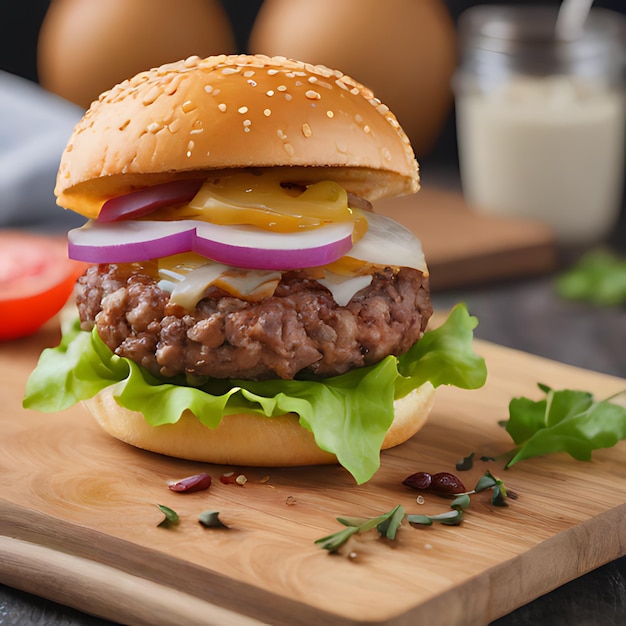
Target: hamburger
(245,305)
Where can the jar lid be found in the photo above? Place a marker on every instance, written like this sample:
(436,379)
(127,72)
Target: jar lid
(523,38)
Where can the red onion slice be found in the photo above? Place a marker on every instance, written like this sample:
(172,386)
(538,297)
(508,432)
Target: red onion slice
(241,246)
(144,201)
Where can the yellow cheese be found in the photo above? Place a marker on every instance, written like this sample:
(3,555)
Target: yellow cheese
(264,201)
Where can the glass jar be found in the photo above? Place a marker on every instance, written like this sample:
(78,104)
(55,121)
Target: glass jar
(540,121)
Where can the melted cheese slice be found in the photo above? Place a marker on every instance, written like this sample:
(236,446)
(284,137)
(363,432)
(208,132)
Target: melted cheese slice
(343,287)
(265,201)
(188,277)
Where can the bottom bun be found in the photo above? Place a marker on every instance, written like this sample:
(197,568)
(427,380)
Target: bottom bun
(246,438)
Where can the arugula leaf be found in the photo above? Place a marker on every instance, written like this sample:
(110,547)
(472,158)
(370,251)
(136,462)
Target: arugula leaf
(349,415)
(564,421)
(599,277)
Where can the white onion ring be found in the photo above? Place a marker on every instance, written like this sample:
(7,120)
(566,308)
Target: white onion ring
(388,243)
(241,246)
(144,201)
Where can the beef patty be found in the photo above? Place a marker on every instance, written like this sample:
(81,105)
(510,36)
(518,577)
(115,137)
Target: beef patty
(300,329)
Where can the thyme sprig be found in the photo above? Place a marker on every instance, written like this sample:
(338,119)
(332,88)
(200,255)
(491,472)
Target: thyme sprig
(388,523)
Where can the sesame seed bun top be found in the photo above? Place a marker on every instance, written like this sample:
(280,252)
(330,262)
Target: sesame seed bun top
(197,115)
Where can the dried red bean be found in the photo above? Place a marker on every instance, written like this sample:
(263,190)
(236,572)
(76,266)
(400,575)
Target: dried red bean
(198,482)
(230,478)
(419,480)
(446,484)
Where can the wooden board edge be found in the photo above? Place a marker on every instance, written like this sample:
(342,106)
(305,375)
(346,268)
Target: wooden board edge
(564,557)
(89,586)
(494,266)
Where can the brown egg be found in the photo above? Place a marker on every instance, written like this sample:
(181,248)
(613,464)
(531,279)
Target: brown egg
(87,46)
(405,50)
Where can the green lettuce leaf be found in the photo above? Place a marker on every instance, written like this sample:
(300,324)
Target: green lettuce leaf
(348,415)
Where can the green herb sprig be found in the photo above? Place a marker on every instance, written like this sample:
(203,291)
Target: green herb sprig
(171,517)
(599,278)
(388,523)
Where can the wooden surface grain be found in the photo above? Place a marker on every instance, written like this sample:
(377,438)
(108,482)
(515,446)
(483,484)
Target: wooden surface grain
(79,506)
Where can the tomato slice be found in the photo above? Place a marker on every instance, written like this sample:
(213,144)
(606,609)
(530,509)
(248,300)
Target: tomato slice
(36,280)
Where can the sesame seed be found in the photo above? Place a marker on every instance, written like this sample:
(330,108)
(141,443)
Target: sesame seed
(272,71)
(190,147)
(208,88)
(247,122)
(188,106)
(341,146)
(252,83)
(312,95)
(289,149)
(171,89)
(386,154)
(216,92)
(306,130)
(330,114)
(354,91)
(281,88)
(269,93)
(367,129)
(196,131)
(151,96)
(267,112)
(249,73)
(242,110)
(174,127)
(288,97)
(231,70)
(312,79)
(222,107)
(154,127)
(281,134)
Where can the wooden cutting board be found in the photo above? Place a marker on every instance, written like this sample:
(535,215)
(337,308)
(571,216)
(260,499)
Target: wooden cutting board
(464,247)
(78,518)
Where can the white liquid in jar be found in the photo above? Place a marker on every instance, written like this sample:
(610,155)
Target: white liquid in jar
(549,148)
